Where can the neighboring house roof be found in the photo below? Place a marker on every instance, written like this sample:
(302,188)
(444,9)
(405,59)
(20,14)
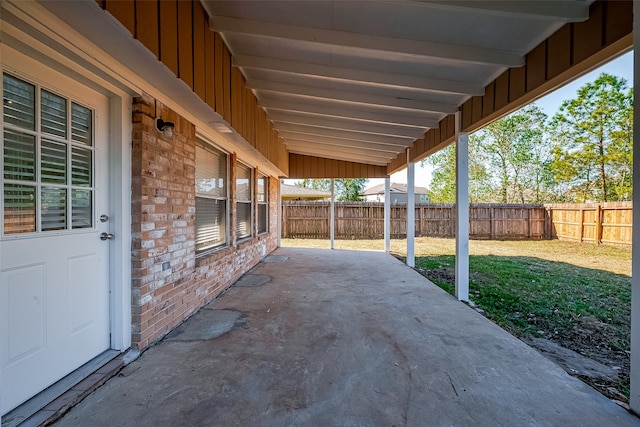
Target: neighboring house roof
(294,192)
(395,188)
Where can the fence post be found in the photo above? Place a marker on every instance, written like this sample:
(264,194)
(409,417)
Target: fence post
(491,223)
(598,223)
(582,226)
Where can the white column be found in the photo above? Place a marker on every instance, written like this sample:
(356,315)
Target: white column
(332,220)
(387,214)
(634,400)
(411,211)
(279,212)
(462,208)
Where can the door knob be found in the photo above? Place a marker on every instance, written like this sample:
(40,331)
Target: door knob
(106,236)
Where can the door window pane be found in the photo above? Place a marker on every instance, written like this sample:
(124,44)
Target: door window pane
(53,115)
(19,209)
(81,167)
(53,209)
(81,208)
(19,102)
(53,162)
(81,124)
(19,156)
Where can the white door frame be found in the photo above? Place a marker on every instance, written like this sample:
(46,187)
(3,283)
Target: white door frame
(120,130)
(119,152)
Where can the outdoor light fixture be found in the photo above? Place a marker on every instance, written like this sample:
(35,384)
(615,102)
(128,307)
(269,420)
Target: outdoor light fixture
(165,127)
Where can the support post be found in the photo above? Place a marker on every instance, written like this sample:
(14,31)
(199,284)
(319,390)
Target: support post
(411,211)
(634,399)
(279,212)
(462,217)
(332,221)
(387,214)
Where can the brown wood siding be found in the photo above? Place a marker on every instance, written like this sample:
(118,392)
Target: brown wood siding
(199,29)
(185,42)
(574,49)
(147,25)
(169,34)
(209,69)
(124,11)
(226,83)
(301,166)
(178,33)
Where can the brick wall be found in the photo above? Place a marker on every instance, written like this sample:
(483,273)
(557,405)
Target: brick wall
(168,282)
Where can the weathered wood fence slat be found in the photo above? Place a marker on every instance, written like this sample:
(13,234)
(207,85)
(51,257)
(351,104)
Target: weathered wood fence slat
(596,222)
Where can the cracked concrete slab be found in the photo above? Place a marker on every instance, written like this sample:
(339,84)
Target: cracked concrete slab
(349,338)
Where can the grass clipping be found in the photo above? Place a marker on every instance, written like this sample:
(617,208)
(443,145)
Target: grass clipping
(553,295)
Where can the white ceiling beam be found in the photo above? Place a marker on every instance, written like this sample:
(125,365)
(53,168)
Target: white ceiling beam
(339,142)
(354,97)
(556,10)
(354,125)
(344,134)
(333,111)
(387,47)
(359,76)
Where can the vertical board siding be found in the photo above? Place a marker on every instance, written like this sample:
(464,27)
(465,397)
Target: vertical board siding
(576,222)
(301,166)
(199,29)
(185,42)
(209,69)
(124,11)
(147,25)
(168,30)
(178,33)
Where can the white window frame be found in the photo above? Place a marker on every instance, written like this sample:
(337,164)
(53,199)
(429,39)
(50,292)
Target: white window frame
(250,202)
(264,203)
(206,145)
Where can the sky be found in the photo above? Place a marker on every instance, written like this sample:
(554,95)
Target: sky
(621,67)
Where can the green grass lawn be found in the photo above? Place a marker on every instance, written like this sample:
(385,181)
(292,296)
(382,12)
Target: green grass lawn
(576,295)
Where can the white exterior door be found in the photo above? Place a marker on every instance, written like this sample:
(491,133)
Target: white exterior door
(54,284)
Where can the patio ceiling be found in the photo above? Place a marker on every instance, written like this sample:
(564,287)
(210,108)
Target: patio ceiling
(362,80)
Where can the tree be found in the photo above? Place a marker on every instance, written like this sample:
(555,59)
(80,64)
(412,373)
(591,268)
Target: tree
(516,150)
(593,135)
(346,189)
(443,181)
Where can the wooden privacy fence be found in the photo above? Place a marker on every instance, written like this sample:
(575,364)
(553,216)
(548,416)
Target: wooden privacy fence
(604,223)
(608,223)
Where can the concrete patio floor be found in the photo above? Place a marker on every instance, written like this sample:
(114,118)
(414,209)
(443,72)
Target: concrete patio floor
(350,338)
